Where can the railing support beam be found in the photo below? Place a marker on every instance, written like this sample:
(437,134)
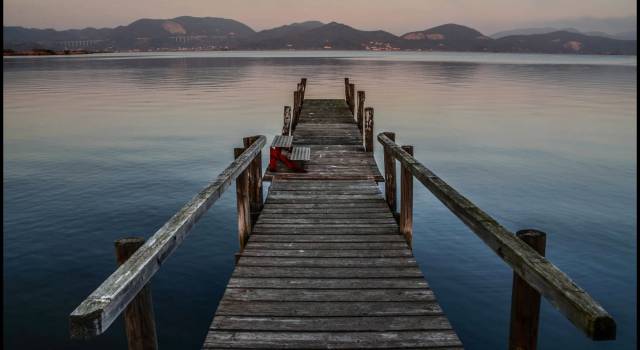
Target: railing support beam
(242,198)
(406,200)
(360,114)
(368,129)
(390,177)
(139,321)
(525,301)
(255,181)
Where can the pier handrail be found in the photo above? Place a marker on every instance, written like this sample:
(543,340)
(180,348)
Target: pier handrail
(98,311)
(571,300)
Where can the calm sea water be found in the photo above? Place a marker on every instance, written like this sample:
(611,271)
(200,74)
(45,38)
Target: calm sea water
(101,147)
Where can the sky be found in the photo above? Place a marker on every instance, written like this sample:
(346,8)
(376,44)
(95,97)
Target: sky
(397,16)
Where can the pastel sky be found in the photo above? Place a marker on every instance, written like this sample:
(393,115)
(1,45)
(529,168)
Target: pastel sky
(397,16)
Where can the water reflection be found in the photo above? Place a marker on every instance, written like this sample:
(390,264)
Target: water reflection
(104,146)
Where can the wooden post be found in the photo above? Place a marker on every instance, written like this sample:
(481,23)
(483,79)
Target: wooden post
(352,98)
(296,109)
(360,115)
(286,127)
(244,211)
(139,321)
(255,181)
(406,200)
(303,81)
(368,129)
(346,90)
(525,301)
(390,177)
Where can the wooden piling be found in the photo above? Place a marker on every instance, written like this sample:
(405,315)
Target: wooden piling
(406,200)
(368,129)
(346,90)
(296,109)
(244,208)
(360,114)
(286,126)
(525,301)
(139,320)
(390,177)
(255,181)
(352,98)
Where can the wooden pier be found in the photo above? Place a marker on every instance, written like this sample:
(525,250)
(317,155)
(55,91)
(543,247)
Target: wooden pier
(325,259)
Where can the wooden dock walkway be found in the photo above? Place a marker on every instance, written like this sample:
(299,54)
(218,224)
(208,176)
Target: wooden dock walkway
(325,265)
(325,261)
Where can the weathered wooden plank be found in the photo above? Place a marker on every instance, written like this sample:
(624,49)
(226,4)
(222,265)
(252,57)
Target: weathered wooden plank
(320,238)
(342,253)
(328,246)
(321,272)
(328,283)
(332,324)
(327,308)
(338,295)
(94,315)
(334,340)
(326,262)
(564,294)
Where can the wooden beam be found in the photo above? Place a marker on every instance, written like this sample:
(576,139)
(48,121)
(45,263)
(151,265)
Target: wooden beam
(406,200)
(346,90)
(243,202)
(255,181)
(352,98)
(96,313)
(390,177)
(139,321)
(286,126)
(360,114)
(578,306)
(525,301)
(368,129)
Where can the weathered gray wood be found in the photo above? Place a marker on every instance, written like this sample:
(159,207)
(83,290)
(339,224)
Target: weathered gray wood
(320,295)
(94,315)
(286,126)
(406,200)
(346,90)
(368,129)
(525,301)
(390,176)
(443,340)
(255,181)
(332,324)
(360,114)
(327,262)
(139,320)
(575,303)
(328,283)
(322,272)
(352,99)
(243,203)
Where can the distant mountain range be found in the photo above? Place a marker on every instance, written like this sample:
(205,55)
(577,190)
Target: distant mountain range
(209,33)
(630,35)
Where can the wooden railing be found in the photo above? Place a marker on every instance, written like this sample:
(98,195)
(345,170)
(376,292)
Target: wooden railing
(534,275)
(362,115)
(127,288)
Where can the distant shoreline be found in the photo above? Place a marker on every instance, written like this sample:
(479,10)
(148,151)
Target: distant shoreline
(44,52)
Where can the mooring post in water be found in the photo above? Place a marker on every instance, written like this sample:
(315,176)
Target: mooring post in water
(139,321)
(244,209)
(255,181)
(406,200)
(390,176)
(360,114)
(286,126)
(368,129)
(352,99)
(525,300)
